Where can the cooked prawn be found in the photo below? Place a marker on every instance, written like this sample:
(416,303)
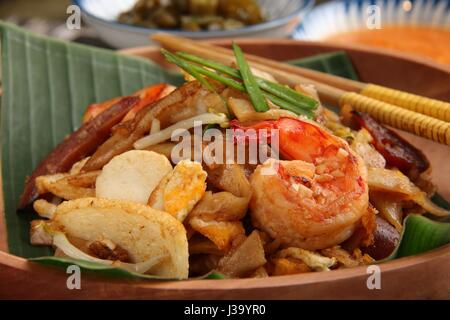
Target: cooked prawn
(314,199)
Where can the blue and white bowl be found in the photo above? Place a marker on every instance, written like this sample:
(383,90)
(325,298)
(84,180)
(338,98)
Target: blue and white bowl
(282,17)
(342,16)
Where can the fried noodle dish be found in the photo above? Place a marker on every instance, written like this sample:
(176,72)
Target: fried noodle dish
(232,172)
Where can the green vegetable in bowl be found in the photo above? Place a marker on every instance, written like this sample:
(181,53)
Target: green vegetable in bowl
(246,11)
(193,15)
(201,7)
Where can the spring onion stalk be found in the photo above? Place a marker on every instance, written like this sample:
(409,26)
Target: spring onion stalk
(253,90)
(187,67)
(238,86)
(211,64)
(193,71)
(276,99)
(218,77)
(286,105)
(288,94)
(279,90)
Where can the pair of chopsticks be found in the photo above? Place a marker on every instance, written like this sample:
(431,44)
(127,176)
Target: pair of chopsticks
(422,116)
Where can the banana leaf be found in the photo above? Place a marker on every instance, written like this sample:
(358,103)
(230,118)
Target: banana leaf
(47,85)
(336,63)
(421,234)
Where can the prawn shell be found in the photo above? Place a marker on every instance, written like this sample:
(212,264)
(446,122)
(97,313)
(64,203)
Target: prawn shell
(295,217)
(280,215)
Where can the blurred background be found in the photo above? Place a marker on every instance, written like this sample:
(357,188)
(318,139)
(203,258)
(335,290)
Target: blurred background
(48,17)
(417,27)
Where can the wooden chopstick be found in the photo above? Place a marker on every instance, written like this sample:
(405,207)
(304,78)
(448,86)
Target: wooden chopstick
(390,114)
(327,93)
(431,107)
(333,80)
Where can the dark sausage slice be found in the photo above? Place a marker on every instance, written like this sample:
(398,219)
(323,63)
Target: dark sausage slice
(397,151)
(386,239)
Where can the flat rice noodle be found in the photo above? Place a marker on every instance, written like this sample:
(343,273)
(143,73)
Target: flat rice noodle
(221,206)
(231,178)
(222,233)
(344,258)
(181,104)
(261,272)
(395,182)
(199,244)
(63,188)
(246,258)
(389,207)
(228,205)
(362,146)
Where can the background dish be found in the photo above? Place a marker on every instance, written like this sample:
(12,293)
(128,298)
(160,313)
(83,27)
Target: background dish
(282,17)
(347,15)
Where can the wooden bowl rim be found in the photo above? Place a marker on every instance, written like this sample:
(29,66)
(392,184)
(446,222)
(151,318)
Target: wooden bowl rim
(319,44)
(22,264)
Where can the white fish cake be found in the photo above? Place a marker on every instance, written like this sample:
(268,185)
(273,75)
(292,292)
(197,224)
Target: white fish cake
(142,231)
(132,176)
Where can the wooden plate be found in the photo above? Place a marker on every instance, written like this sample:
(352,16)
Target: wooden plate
(422,276)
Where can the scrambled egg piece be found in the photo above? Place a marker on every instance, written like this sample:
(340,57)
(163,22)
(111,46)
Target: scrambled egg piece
(313,260)
(44,208)
(181,190)
(222,233)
